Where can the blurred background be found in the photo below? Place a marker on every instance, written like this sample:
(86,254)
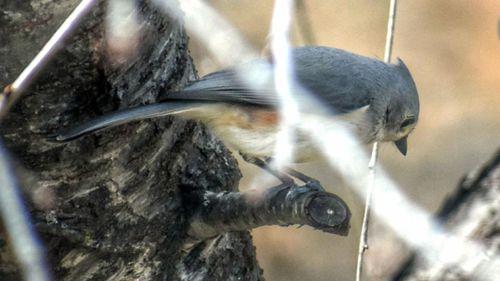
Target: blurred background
(452,48)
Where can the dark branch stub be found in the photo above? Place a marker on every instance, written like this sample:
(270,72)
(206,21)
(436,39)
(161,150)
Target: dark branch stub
(217,213)
(329,213)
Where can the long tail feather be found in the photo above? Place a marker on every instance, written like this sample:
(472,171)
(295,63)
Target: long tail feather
(121,117)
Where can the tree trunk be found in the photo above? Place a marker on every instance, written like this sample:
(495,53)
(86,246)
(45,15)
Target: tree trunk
(109,206)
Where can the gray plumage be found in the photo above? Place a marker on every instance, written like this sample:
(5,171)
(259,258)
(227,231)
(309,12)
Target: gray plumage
(343,82)
(333,75)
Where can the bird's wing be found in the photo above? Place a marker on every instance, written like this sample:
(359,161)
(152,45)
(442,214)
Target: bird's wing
(342,81)
(255,88)
(338,79)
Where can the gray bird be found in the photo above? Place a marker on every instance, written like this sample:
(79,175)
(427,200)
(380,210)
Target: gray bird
(378,101)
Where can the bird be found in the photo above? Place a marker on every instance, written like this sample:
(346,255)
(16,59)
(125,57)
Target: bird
(377,100)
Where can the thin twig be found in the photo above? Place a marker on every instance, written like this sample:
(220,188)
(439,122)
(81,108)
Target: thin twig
(363,239)
(13,92)
(15,216)
(390,31)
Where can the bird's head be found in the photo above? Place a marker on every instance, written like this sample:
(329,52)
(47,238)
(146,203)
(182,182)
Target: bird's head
(401,115)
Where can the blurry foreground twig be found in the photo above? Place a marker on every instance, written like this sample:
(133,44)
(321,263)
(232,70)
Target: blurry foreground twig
(17,224)
(472,211)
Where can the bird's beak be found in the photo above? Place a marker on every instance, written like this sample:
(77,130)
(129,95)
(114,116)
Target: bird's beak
(402,146)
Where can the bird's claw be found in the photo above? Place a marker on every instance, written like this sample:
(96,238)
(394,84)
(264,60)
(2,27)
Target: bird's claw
(310,186)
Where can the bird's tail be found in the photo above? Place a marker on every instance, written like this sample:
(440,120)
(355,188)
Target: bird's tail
(123,116)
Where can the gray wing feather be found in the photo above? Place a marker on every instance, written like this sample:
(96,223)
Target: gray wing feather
(229,86)
(340,79)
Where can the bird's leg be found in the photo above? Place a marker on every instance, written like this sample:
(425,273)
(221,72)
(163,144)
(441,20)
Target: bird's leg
(264,165)
(285,178)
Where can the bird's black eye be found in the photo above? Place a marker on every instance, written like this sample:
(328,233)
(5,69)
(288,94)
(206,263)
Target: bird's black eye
(408,121)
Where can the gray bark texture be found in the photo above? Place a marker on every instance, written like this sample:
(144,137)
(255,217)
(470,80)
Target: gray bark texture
(473,210)
(109,206)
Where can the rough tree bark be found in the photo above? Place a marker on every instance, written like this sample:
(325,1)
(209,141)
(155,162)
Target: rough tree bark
(109,206)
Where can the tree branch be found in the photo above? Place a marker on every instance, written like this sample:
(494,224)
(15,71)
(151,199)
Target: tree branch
(216,213)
